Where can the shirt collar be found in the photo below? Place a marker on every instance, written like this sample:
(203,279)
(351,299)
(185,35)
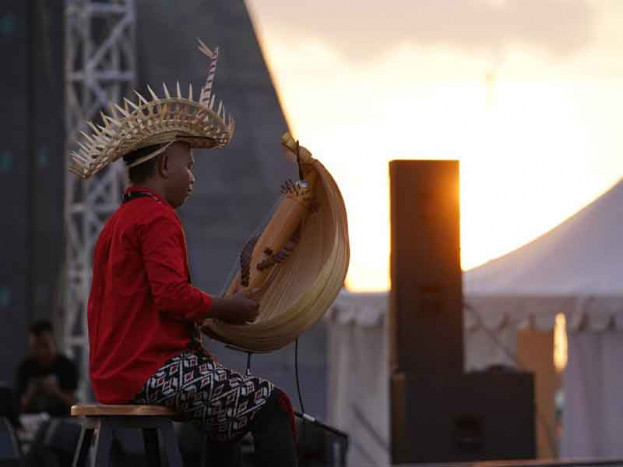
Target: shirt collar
(134,189)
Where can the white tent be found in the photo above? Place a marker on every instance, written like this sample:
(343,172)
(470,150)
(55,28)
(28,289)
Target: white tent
(575,269)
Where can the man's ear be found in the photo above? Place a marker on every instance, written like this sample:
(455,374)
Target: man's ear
(163,165)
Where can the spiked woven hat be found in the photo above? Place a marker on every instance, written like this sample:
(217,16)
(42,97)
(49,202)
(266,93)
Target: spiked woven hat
(160,120)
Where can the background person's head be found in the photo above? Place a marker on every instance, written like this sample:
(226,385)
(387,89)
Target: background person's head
(169,174)
(42,343)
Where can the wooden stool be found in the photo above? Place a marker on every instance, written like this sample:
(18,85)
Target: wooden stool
(106,418)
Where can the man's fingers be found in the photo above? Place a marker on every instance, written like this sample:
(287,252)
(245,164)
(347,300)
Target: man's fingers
(253,293)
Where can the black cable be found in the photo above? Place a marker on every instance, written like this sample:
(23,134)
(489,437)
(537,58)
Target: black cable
(308,418)
(301,441)
(296,373)
(298,161)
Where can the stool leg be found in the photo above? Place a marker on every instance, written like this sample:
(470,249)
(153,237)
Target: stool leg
(152,448)
(174,458)
(204,449)
(103,444)
(84,443)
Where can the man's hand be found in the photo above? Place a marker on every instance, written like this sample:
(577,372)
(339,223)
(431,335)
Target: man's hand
(241,308)
(49,386)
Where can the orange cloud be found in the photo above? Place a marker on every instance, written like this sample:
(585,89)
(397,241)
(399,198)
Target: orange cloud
(362,29)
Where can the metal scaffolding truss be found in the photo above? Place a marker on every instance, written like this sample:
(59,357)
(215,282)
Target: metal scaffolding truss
(100,66)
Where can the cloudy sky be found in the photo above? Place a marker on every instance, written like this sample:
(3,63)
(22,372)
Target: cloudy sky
(528,94)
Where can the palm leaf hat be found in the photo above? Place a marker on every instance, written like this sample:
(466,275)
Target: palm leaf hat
(157,121)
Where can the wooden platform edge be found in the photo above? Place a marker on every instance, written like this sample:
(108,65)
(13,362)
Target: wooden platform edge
(118,410)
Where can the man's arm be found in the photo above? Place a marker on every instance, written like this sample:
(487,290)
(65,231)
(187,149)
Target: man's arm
(27,397)
(52,388)
(26,388)
(164,252)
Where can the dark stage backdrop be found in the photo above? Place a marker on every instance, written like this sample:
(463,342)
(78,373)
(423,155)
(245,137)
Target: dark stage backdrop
(236,187)
(31,170)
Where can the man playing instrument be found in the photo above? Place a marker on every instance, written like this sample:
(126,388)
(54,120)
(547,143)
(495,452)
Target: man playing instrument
(143,314)
(143,311)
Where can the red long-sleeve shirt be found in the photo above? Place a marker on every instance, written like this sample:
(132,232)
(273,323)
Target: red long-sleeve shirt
(142,307)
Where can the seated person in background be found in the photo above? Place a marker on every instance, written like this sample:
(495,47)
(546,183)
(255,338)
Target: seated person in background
(46,380)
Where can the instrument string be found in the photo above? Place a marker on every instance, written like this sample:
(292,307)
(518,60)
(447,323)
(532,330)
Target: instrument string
(299,289)
(235,267)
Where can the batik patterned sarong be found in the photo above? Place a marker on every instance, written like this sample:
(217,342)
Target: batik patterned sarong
(218,400)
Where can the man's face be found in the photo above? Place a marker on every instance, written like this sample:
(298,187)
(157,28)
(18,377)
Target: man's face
(180,180)
(43,347)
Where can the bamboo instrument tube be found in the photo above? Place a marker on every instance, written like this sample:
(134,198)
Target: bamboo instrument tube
(292,210)
(298,263)
(300,289)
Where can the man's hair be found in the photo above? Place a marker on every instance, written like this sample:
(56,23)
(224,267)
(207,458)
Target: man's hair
(39,327)
(141,172)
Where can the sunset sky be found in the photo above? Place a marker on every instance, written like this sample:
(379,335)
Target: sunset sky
(527,94)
